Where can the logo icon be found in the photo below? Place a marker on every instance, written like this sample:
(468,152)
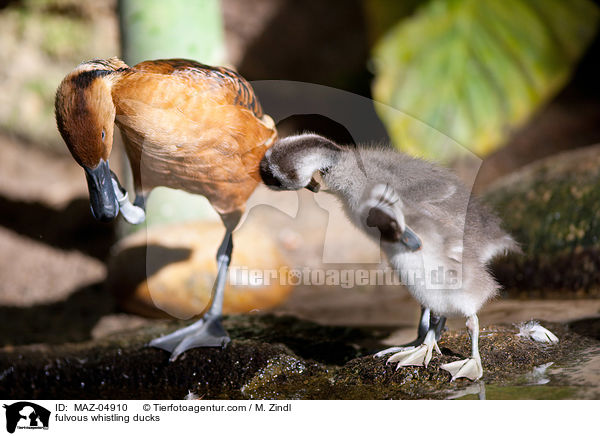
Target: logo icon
(26,415)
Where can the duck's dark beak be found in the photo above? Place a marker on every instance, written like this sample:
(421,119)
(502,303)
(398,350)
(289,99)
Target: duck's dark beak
(410,240)
(103,201)
(313,185)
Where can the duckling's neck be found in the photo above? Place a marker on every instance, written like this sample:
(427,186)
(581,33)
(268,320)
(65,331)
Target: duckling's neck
(310,153)
(322,160)
(346,177)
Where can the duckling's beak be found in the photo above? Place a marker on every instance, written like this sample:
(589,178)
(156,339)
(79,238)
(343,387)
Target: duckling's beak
(103,201)
(313,185)
(410,239)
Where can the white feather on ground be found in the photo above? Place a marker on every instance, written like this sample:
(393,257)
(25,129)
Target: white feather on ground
(534,331)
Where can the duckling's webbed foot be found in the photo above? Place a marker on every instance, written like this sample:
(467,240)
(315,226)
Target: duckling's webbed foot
(419,351)
(413,356)
(469,368)
(208,331)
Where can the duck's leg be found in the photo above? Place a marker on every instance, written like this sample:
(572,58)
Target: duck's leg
(419,351)
(208,331)
(470,368)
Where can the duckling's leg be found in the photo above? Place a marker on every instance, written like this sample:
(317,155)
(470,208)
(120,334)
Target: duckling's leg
(419,351)
(427,319)
(208,331)
(470,368)
(422,330)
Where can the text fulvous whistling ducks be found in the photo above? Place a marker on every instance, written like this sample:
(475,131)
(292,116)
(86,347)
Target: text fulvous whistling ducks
(185,125)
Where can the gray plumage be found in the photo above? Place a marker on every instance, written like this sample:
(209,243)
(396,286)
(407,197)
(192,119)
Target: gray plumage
(431,228)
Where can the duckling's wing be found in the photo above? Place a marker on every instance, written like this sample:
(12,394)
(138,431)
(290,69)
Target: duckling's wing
(382,209)
(386,224)
(378,210)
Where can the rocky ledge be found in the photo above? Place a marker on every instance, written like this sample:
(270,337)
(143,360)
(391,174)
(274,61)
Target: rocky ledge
(271,357)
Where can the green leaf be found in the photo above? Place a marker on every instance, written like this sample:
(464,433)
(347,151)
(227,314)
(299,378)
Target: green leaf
(474,70)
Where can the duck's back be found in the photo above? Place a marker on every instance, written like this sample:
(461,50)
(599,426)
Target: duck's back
(222,84)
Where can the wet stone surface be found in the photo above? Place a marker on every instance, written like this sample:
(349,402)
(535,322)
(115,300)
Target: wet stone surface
(271,357)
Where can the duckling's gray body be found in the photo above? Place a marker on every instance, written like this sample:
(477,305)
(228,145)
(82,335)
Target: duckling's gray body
(457,232)
(432,230)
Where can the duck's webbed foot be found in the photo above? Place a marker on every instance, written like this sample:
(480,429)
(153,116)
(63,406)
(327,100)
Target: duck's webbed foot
(206,332)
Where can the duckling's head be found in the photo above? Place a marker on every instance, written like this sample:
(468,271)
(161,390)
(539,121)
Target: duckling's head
(85,115)
(292,161)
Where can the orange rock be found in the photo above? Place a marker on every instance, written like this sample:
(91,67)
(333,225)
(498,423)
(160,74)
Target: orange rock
(170,270)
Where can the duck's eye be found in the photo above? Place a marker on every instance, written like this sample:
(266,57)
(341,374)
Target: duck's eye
(103,135)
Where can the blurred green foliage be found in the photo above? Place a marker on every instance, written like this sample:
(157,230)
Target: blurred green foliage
(474,70)
(157,29)
(40,42)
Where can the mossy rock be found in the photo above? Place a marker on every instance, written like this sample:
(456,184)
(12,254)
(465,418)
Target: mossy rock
(552,208)
(270,357)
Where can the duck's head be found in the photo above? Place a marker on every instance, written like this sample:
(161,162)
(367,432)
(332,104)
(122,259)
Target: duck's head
(85,115)
(292,161)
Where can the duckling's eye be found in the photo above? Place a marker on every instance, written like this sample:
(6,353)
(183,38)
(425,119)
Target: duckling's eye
(103,135)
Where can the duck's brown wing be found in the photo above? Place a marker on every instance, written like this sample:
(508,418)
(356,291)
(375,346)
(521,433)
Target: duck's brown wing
(235,88)
(193,127)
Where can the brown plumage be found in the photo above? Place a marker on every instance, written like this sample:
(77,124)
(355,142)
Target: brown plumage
(185,125)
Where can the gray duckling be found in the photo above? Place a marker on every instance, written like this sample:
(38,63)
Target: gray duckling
(434,233)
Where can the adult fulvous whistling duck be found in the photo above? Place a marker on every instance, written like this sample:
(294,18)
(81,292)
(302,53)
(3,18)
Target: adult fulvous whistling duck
(185,125)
